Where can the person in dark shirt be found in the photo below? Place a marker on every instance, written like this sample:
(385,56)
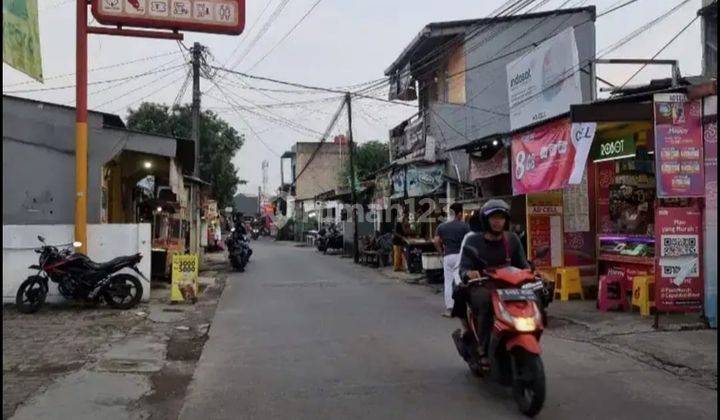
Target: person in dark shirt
(448,238)
(493,247)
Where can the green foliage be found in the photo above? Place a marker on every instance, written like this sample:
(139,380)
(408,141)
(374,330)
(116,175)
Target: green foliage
(218,142)
(369,157)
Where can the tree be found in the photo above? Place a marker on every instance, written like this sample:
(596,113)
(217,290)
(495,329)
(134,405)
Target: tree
(218,142)
(369,158)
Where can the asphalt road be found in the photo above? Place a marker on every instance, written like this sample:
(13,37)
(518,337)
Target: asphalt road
(301,335)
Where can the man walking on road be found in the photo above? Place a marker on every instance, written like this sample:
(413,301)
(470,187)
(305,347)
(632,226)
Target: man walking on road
(448,238)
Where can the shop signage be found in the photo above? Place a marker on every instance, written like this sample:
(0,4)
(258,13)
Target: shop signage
(542,158)
(213,16)
(424,180)
(614,148)
(710,224)
(544,82)
(678,146)
(678,279)
(21,37)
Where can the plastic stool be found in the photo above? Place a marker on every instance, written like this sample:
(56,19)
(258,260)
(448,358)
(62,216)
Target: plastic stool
(611,293)
(567,282)
(642,294)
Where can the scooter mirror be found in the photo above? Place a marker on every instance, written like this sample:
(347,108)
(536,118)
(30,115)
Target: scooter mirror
(41,239)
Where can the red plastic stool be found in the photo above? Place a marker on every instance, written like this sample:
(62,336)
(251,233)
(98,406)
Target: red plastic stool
(612,293)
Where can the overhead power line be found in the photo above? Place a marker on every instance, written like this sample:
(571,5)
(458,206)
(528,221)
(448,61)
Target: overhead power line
(286,35)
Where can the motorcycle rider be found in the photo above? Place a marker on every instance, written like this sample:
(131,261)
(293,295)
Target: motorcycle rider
(495,246)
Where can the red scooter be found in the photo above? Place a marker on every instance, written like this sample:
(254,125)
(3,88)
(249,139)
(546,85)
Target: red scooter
(514,345)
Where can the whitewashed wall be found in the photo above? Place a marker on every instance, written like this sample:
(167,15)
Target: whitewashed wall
(105,242)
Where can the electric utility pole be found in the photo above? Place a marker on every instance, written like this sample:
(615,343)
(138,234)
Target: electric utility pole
(353,193)
(196,51)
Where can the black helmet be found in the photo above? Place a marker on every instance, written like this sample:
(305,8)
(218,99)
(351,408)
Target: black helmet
(492,207)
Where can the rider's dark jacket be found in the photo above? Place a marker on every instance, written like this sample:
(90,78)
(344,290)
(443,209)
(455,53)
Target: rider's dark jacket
(478,251)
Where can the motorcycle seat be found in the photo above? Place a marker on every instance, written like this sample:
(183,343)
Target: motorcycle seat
(115,263)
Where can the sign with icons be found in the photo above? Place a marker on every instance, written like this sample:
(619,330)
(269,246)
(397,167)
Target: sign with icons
(212,16)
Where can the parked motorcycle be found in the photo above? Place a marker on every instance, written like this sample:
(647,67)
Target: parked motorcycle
(518,302)
(255,234)
(80,278)
(330,238)
(239,251)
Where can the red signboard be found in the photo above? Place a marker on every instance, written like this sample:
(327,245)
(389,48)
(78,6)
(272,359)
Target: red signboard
(214,16)
(542,158)
(679,282)
(540,237)
(678,146)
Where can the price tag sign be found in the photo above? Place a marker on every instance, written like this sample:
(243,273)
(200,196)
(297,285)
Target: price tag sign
(212,16)
(184,278)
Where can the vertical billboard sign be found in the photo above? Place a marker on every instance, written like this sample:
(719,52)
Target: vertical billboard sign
(678,276)
(21,37)
(678,146)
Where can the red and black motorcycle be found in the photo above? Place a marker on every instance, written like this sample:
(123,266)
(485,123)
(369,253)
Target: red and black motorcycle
(80,278)
(519,299)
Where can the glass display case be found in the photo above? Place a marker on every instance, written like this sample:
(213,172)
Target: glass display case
(635,249)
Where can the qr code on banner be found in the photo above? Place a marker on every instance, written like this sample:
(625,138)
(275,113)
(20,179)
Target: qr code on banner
(679,245)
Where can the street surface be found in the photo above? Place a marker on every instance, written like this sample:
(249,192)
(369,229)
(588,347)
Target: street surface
(303,335)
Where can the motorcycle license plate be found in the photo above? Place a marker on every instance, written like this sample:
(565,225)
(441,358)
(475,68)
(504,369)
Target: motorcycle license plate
(533,286)
(516,294)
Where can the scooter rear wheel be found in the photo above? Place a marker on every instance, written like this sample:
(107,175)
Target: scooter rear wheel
(528,383)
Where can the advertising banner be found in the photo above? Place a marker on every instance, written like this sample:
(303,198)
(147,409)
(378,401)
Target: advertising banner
(544,221)
(424,180)
(678,279)
(21,37)
(678,146)
(544,82)
(496,165)
(184,278)
(542,158)
(710,223)
(398,183)
(582,135)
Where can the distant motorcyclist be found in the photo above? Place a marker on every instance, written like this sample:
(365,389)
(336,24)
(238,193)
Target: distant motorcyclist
(493,247)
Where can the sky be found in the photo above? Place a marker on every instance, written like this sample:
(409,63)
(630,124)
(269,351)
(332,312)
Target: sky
(340,43)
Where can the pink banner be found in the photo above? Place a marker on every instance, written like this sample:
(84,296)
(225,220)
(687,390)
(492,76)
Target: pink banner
(678,146)
(678,276)
(542,158)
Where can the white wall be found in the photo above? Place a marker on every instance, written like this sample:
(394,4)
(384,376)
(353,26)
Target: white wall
(105,242)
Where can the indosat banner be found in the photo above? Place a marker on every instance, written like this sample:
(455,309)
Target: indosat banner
(544,82)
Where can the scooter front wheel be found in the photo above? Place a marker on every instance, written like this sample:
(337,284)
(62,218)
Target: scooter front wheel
(528,382)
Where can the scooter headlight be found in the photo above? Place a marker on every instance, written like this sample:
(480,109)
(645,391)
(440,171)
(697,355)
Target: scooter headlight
(524,324)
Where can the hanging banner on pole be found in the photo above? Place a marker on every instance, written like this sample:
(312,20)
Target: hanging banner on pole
(678,146)
(542,158)
(213,16)
(21,37)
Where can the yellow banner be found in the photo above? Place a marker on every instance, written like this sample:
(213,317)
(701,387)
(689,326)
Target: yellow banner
(184,278)
(21,37)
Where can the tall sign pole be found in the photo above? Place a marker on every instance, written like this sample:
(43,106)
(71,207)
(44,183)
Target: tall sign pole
(211,16)
(353,193)
(81,128)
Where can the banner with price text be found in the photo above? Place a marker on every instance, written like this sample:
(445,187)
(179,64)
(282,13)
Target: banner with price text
(542,158)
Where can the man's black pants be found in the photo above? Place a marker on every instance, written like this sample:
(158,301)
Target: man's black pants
(480,299)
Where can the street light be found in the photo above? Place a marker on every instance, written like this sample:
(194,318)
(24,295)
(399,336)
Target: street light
(148,164)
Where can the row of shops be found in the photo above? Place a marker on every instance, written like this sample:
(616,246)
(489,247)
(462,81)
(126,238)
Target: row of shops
(622,187)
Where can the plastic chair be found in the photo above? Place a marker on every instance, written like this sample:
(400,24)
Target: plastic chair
(642,294)
(567,282)
(612,293)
